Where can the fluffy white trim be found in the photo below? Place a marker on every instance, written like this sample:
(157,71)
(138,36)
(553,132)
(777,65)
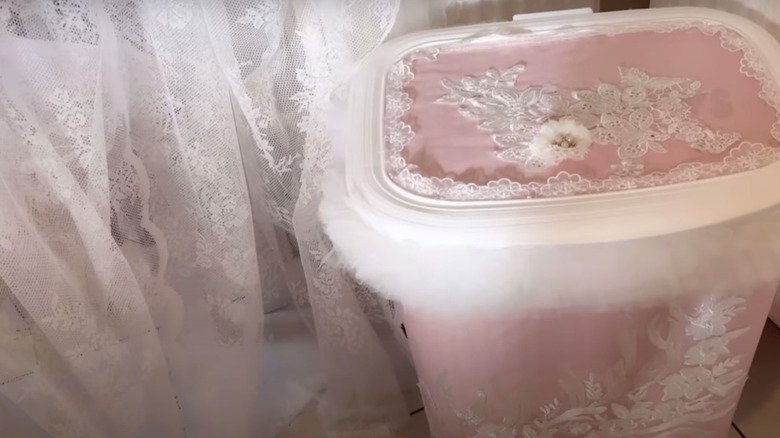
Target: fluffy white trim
(544,147)
(729,258)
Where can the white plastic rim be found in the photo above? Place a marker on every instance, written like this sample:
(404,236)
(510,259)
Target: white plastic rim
(577,219)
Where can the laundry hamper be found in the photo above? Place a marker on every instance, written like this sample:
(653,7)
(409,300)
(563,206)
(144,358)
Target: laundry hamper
(577,213)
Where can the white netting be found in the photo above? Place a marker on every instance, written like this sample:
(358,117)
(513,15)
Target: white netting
(152,152)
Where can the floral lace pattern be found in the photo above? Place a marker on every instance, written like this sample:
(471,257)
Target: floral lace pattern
(151,254)
(699,384)
(636,117)
(745,157)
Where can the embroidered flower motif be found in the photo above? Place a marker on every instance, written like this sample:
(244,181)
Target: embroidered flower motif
(689,383)
(73,118)
(383,10)
(637,116)
(68,316)
(749,156)
(617,427)
(68,112)
(397,104)
(712,318)
(399,136)
(580,429)
(707,352)
(59,97)
(559,140)
(669,411)
(260,15)
(691,396)
(564,184)
(627,168)
(173,14)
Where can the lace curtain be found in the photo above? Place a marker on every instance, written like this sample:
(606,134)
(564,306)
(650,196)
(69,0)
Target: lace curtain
(156,155)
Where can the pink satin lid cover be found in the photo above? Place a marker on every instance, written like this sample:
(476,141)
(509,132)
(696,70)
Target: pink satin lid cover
(444,147)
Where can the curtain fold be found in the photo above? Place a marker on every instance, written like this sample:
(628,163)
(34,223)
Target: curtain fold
(156,158)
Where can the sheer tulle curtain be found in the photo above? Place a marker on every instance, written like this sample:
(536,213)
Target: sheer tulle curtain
(161,269)
(155,155)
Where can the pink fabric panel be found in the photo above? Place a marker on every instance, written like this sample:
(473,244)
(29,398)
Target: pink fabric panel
(446,144)
(637,373)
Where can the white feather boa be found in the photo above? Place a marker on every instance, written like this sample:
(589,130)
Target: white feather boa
(729,258)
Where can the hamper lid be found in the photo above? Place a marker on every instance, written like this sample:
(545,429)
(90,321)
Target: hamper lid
(572,129)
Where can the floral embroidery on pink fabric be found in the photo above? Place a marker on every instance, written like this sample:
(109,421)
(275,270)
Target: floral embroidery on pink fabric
(699,383)
(638,116)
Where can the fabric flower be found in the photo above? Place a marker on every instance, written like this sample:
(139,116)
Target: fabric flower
(59,97)
(558,140)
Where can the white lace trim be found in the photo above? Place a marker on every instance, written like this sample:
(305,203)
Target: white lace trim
(617,116)
(747,156)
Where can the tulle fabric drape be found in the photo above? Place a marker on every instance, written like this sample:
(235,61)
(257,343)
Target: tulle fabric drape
(160,164)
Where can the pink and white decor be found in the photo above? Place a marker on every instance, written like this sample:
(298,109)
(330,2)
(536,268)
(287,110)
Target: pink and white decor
(578,215)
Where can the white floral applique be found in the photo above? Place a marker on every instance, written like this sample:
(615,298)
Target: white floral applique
(708,351)
(74,116)
(384,10)
(262,13)
(703,388)
(558,140)
(637,116)
(69,21)
(627,168)
(712,318)
(69,316)
(173,13)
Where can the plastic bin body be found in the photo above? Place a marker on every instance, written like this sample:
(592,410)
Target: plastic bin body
(675,369)
(577,213)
